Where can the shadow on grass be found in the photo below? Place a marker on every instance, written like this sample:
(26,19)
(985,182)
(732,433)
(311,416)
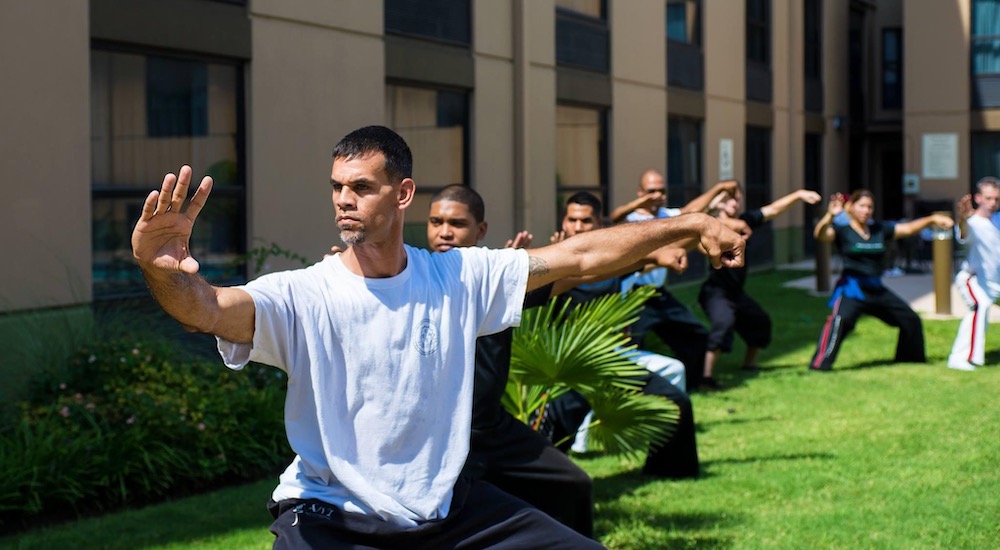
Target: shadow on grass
(707,465)
(684,530)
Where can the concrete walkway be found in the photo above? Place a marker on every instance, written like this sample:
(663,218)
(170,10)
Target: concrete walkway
(917,289)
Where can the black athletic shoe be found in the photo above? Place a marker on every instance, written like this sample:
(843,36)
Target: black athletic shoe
(709,384)
(819,369)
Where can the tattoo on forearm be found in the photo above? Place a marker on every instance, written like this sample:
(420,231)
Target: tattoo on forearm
(537,266)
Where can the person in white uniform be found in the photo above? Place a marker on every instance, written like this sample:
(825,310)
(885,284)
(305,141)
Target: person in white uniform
(378,343)
(978,281)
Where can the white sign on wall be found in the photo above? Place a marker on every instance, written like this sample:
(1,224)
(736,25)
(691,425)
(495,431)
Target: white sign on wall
(939,156)
(725,159)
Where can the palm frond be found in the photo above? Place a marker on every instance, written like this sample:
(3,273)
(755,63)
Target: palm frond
(628,423)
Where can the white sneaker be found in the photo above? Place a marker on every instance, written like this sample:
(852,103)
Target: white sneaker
(961,365)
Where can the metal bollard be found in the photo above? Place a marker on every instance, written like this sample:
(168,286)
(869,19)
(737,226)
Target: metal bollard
(943,275)
(823,266)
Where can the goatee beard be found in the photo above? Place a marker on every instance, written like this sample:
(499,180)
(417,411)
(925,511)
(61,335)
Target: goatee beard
(351,238)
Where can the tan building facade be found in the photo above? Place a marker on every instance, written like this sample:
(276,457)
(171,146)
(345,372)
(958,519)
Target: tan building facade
(527,101)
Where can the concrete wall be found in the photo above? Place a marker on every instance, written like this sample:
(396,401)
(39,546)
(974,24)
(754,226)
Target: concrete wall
(45,239)
(725,66)
(931,108)
(638,87)
(317,73)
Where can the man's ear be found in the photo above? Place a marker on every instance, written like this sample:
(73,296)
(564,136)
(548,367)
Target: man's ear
(407,190)
(482,232)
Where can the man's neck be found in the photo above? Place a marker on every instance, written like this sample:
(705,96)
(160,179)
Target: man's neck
(985,212)
(375,260)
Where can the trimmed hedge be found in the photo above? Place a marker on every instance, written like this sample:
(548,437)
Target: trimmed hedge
(132,423)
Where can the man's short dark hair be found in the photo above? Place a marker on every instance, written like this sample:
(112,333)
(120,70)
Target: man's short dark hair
(584,198)
(378,139)
(465,195)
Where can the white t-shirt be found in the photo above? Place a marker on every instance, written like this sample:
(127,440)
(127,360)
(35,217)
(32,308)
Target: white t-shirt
(983,260)
(654,277)
(380,373)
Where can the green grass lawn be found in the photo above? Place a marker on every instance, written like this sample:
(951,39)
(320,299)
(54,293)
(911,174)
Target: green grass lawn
(872,455)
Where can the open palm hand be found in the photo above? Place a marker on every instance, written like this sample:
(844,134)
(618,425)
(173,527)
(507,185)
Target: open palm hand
(161,236)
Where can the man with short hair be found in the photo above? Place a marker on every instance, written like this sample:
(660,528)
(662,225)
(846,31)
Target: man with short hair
(665,315)
(678,456)
(979,279)
(378,344)
(503,450)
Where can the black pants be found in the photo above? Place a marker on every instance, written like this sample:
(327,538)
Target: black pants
(679,329)
(882,304)
(737,313)
(519,461)
(676,458)
(482,516)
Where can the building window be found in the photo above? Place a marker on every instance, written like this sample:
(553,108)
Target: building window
(985,52)
(149,115)
(985,154)
(684,21)
(985,37)
(813,180)
(448,21)
(758,51)
(759,31)
(685,61)
(591,8)
(581,153)
(435,124)
(812,39)
(684,181)
(892,68)
(582,35)
(757,187)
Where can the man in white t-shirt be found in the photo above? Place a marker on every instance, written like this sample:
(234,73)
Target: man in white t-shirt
(979,279)
(378,343)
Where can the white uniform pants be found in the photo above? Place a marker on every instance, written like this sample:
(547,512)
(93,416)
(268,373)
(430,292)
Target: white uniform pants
(970,343)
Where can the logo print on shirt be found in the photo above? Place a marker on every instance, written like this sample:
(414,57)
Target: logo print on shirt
(426,338)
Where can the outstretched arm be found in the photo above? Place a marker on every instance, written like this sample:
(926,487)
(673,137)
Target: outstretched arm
(702,201)
(907,229)
(612,248)
(784,203)
(645,201)
(160,246)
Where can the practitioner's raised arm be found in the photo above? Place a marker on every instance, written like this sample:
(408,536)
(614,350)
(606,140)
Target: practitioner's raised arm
(770,211)
(160,245)
(615,247)
(913,227)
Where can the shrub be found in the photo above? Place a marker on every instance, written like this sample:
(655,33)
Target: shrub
(132,422)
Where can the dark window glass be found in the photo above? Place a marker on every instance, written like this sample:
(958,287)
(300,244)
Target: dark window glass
(582,41)
(760,248)
(813,179)
(684,180)
(813,39)
(985,37)
(435,124)
(443,20)
(149,115)
(581,152)
(684,155)
(985,154)
(892,68)
(684,21)
(759,31)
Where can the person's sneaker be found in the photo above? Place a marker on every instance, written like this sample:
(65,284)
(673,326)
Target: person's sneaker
(709,384)
(819,369)
(960,365)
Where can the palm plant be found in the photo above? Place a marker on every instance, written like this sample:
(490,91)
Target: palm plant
(563,346)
